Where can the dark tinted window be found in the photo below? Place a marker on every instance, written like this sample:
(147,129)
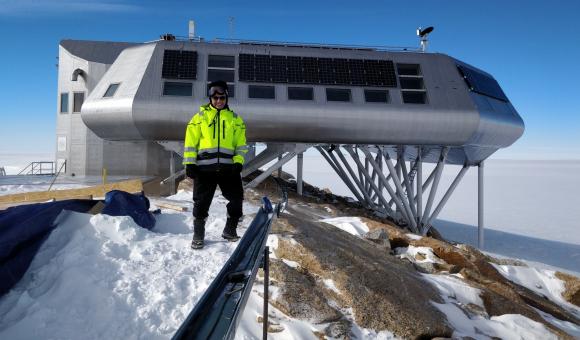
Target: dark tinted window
(411,83)
(64,103)
(338,95)
(414,97)
(221,61)
(225,75)
(408,69)
(111,90)
(177,89)
(300,93)
(264,92)
(376,96)
(78,100)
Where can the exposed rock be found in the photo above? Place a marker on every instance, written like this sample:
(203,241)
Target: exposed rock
(384,293)
(380,237)
(572,288)
(425,267)
(273,327)
(339,329)
(299,297)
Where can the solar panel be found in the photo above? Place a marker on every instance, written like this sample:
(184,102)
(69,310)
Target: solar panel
(294,70)
(481,83)
(312,70)
(278,69)
(246,69)
(179,64)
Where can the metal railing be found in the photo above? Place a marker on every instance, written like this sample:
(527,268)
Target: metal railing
(297,44)
(218,312)
(39,168)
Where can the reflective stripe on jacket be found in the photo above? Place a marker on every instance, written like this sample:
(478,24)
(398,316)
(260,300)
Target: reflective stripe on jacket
(215,137)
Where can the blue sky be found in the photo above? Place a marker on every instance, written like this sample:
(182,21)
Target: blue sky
(528,46)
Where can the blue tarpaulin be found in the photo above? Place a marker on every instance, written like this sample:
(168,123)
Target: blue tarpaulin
(120,203)
(24,228)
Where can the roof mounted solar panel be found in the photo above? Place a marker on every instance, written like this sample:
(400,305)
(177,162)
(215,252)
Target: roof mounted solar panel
(481,83)
(178,64)
(312,70)
(294,70)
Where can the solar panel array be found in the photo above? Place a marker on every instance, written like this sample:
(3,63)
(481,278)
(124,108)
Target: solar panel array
(481,83)
(179,64)
(312,70)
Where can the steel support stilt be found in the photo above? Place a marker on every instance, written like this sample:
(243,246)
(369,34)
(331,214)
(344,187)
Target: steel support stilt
(299,168)
(360,165)
(172,172)
(340,172)
(446,196)
(480,192)
(433,191)
(353,175)
(405,205)
(419,196)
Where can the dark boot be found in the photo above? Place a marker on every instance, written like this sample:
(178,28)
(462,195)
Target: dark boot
(230,230)
(198,233)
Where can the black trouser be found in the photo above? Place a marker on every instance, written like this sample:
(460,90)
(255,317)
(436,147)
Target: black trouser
(204,188)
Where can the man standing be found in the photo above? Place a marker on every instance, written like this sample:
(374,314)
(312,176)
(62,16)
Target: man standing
(215,146)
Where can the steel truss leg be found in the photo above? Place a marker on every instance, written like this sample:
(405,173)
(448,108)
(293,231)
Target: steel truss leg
(359,164)
(419,181)
(445,198)
(407,183)
(297,149)
(367,193)
(271,152)
(438,171)
(338,169)
(398,203)
(299,168)
(405,208)
(480,226)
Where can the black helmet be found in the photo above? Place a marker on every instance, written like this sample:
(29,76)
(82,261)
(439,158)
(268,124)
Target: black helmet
(218,86)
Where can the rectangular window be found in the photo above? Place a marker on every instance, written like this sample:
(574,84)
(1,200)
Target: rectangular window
(225,61)
(376,96)
(216,74)
(408,69)
(111,90)
(261,92)
(411,83)
(64,103)
(414,97)
(300,93)
(338,95)
(177,89)
(78,100)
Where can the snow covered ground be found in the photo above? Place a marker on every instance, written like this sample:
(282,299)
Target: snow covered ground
(138,284)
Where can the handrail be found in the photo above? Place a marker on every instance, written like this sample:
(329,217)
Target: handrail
(218,312)
(37,166)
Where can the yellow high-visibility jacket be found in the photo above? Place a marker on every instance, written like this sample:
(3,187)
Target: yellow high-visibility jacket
(215,137)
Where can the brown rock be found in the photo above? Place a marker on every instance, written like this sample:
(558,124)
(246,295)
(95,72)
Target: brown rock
(299,297)
(384,293)
(571,286)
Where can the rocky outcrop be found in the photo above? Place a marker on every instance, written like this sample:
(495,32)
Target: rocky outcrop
(571,288)
(383,292)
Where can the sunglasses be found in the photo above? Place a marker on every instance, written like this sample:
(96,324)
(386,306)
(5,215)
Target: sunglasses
(218,97)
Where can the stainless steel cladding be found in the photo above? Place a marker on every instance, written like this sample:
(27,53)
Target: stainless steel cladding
(435,99)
